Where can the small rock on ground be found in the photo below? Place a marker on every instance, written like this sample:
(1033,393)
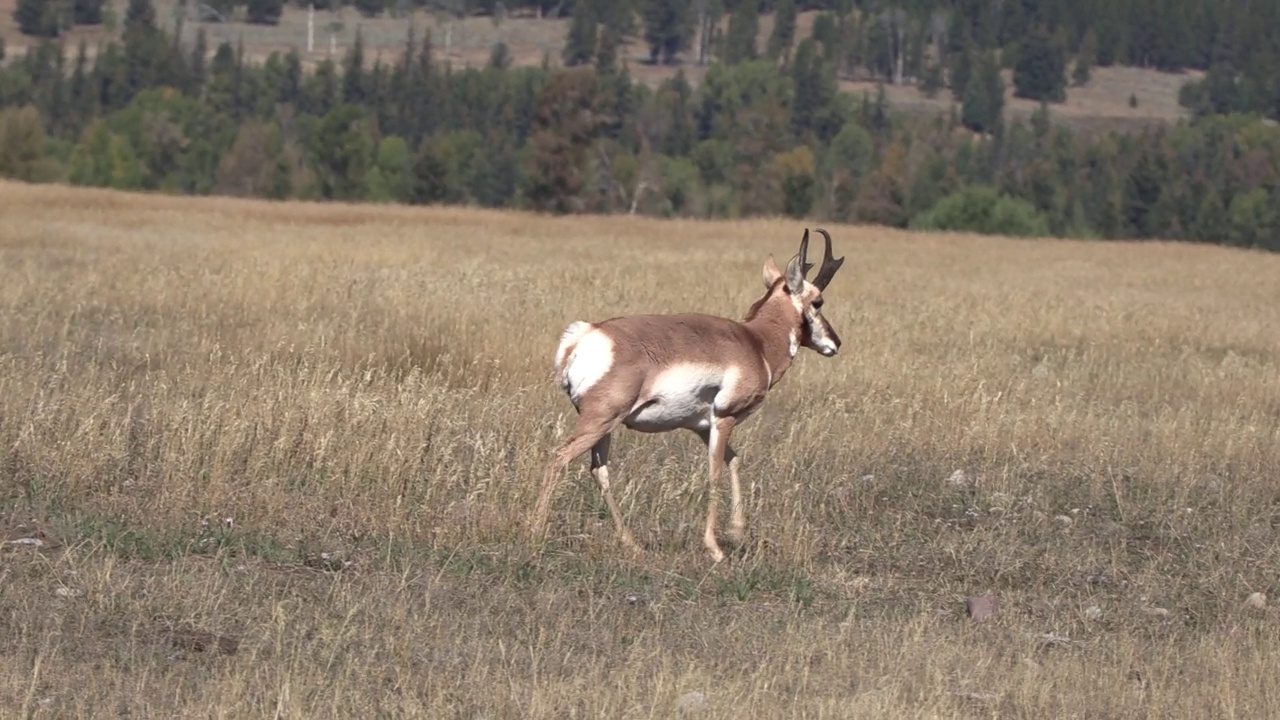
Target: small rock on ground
(692,701)
(982,607)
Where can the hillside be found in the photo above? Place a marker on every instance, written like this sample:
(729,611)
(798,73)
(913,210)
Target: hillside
(1103,103)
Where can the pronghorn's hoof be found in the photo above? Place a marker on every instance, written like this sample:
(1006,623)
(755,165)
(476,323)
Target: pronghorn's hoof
(737,535)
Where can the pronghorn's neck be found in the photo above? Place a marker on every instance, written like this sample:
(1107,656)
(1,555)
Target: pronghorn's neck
(775,319)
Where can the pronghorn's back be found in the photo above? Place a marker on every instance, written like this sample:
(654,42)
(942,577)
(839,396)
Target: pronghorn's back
(636,348)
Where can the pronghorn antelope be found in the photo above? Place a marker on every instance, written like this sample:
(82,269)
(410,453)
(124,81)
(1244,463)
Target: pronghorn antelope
(657,373)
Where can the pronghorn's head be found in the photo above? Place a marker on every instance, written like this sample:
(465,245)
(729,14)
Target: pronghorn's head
(815,332)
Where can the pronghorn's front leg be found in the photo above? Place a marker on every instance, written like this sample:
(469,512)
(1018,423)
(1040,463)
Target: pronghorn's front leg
(737,521)
(717,442)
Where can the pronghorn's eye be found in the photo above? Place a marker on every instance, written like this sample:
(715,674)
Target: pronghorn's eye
(817,304)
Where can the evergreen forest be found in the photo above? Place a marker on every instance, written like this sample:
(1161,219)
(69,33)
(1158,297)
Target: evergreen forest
(765,131)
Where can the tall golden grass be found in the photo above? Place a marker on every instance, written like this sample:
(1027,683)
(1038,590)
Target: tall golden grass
(280,458)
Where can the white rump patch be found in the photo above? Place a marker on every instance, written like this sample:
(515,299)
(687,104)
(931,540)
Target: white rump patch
(586,355)
(568,339)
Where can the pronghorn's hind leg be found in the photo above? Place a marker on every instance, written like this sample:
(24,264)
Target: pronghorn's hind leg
(572,447)
(593,428)
(600,471)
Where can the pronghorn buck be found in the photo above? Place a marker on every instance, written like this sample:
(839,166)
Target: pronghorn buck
(657,373)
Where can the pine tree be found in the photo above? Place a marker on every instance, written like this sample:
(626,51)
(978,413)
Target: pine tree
(826,32)
(784,29)
(564,128)
(961,67)
(430,175)
(83,100)
(1085,59)
(931,83)
(618,15)
(263,12)
(1040,70)
(37,18)
(87,12)
(740,40)
(148,57)
(989,70)
(353,80)
(606,58)
(1141,192)
(370,8)
(22,140)
(580,44)
(196,68)
(668,28)
(983,99)
(1174,43)
(975,108)
(709,13)
(343,153)
(140,14)
(816,89)
(291,79)
(1112,31)
(796,170)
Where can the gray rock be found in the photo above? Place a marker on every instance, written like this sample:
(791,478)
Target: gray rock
(982,608)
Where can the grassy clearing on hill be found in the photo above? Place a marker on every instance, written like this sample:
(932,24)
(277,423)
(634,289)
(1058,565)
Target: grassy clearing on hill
(279,457)
(1101,105)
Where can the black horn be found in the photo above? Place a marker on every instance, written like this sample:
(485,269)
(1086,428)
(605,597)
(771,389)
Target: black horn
(803,255)
(829,264)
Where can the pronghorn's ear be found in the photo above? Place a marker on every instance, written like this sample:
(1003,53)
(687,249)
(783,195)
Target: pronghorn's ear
(795,276)
(771,272)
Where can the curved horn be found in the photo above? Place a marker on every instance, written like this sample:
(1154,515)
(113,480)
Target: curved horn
(803,255)
(829,264)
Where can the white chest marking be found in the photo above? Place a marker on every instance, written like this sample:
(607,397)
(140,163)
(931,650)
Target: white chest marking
(587,363)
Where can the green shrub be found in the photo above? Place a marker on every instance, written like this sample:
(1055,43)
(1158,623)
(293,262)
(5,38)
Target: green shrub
(981,209)
(22,140)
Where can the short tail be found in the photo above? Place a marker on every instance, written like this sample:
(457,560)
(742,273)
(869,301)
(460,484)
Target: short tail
(568,342)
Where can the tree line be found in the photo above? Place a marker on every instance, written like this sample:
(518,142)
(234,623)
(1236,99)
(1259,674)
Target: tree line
(767,131)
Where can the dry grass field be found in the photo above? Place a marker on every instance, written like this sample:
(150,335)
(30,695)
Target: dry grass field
(277,459)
